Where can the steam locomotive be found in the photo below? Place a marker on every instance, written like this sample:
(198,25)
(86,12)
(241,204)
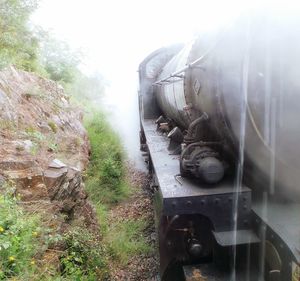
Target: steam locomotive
(220,132)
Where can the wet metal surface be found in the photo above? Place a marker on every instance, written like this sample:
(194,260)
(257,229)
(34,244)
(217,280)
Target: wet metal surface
(167,170)
(283,219)
(236,237)
(178,195)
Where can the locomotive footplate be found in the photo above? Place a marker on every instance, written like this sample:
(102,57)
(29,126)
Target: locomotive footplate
(179,196)
(224,208)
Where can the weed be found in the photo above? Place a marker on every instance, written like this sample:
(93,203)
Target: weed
(53,126)
(20,148)
(125,239)
(34,92)
(23,240)
(52,147)
(7,125)
(84,258)
(34,134)
(78,142)
(18,244)
(34,149)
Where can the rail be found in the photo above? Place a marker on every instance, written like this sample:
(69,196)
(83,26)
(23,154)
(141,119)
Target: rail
(194,64)
(180,73)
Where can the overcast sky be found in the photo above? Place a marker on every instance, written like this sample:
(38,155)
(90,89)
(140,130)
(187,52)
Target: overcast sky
(116,34)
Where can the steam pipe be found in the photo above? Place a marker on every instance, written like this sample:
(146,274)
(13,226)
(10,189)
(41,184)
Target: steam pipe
(194,124)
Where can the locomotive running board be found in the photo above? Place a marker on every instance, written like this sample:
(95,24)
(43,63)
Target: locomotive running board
(178,196)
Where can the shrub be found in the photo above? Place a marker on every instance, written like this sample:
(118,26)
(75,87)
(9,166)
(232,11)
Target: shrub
(19,241)
(84,258)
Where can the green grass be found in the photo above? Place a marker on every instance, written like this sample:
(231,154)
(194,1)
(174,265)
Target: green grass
(24,238)
(19,241)
(125,239)
(85,257)
(105,178)
(122,238)
(107,185)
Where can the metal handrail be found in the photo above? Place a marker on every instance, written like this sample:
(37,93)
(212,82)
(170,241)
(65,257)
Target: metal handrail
(179,73)
(190,65)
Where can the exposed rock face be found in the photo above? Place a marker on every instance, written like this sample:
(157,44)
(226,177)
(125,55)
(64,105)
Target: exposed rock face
(43,144)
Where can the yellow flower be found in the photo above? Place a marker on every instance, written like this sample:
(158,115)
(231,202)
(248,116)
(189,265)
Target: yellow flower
(32,262)
(11,258)
(1,229)
(35,234)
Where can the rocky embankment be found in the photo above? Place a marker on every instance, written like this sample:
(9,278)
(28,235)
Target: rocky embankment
(43,145)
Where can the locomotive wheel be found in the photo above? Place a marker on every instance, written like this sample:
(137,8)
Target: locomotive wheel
(272,263)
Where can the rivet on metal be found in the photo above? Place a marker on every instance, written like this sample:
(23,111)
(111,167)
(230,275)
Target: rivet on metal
(189,203)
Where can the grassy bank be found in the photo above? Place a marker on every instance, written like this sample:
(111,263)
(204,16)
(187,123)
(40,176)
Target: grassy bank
(29,243)
(105,178)
(32,249)
(107,185)
(19,242)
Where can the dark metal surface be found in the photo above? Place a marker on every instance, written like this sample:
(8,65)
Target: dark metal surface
(247,84)
(166,166)
(283,220)
(178,195)
(236,237)
(251,95)
(209,272)
(148,72)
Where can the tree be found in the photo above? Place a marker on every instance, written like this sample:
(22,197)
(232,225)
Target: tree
(60,62)
(18,45)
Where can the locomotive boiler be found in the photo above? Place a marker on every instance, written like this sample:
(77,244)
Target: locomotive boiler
(219,129)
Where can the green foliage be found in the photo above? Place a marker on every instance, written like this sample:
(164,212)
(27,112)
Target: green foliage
(124,239)
(35,92)
(30,48)
(106,184)
(86,89)
(34,134)
(84,258)
(105,177)
(53,126)
(59,61)
(7,125)
(23,240)
(18,44)
(18,239)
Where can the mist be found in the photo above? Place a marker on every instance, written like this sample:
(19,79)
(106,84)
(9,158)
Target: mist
(115,36)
